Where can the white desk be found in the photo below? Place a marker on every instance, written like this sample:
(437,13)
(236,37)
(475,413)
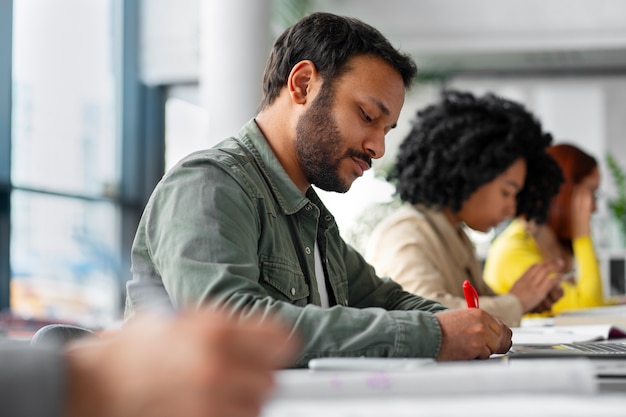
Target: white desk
(511,405)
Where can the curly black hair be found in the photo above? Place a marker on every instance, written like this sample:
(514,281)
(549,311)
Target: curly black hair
(463,142)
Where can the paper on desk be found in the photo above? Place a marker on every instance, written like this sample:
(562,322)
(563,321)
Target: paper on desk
(615,315)
(565,334)
(447,379)
(606,311)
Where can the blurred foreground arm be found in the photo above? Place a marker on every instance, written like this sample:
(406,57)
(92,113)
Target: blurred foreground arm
(31,381)
(197,364)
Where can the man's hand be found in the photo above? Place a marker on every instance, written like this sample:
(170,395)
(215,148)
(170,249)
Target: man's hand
(471,334)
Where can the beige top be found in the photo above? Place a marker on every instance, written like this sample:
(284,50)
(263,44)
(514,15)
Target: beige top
(421,250)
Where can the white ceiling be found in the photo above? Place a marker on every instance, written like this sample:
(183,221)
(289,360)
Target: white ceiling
(480,35)
(442,35)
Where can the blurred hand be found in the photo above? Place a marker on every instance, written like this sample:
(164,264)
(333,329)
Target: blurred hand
(553,296)
(471,334)
(538,288)
(198,364)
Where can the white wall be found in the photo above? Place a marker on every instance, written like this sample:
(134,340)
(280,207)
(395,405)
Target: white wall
(169,41)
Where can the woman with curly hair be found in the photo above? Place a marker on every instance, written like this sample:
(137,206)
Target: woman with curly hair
(472,161)
(565,235)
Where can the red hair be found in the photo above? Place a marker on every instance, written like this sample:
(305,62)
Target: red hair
(575,165)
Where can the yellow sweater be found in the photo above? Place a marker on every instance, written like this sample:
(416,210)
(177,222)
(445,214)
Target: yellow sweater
(515,250)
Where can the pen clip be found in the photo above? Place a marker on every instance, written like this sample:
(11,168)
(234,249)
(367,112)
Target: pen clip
(471,296)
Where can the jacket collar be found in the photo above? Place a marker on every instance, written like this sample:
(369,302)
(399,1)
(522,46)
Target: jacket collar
(287,193)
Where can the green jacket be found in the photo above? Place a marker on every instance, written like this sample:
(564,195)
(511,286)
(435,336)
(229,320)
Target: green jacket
(227,224)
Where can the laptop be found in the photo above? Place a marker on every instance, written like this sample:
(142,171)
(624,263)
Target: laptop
(600,349)
(608,357)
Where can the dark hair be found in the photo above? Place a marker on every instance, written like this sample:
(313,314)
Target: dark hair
(576,165)
(329,41)
(463,142)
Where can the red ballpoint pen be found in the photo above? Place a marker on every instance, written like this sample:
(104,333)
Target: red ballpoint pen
(471,296)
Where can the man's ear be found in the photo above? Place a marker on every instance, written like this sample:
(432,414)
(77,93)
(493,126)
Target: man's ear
(301,78)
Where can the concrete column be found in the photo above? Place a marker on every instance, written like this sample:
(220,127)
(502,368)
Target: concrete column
(234,44)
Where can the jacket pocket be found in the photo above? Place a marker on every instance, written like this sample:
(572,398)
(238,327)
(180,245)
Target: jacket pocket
(284,281)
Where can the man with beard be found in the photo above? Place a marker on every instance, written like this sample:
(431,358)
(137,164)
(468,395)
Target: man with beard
(240,226)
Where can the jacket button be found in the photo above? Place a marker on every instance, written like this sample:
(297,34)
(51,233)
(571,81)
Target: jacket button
(293,291)
(307,250)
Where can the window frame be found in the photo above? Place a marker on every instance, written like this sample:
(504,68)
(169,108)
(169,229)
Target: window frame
(6,62)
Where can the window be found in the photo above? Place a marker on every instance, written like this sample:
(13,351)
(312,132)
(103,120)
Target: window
(65,163)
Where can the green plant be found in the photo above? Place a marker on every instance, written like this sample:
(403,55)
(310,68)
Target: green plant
(617,205)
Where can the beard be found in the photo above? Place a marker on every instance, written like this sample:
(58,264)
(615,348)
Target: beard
(319,145)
